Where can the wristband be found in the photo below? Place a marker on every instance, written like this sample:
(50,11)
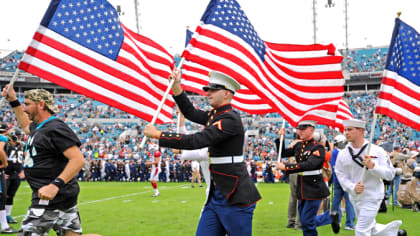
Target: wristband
(58,182)
(14,103)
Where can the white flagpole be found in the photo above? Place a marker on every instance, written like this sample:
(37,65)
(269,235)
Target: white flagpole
(178,122)
(281,142)
(12,81)
(165,95)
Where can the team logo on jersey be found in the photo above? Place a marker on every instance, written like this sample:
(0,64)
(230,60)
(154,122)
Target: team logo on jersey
(29,162)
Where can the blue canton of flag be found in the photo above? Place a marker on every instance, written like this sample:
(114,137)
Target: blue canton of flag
(404,52)
(188,37)
(229,16)
(91,23)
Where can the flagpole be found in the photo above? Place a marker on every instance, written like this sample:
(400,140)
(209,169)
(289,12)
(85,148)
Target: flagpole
(178,122)
(372,132)
(281,141)
(165,95)
(12,81)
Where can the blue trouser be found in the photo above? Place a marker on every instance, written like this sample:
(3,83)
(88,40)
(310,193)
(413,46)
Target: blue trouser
(269,178)
(309,220)
(339,193)
(220,218)
(396,182)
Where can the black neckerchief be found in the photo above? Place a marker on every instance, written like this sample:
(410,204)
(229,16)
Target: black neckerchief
(356,158)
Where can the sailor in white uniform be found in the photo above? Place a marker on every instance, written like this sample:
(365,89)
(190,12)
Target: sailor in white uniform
(365,194)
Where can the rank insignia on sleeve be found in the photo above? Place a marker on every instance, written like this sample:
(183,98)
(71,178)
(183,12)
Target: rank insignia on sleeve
(218,124)
(316,153)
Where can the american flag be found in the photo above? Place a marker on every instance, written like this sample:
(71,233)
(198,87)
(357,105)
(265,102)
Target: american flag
(399,95)
(82,45)
(195,76)
(300,82)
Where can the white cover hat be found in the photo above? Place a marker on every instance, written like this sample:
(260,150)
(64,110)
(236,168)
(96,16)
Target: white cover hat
(218,80)
(339,138)
(354,123)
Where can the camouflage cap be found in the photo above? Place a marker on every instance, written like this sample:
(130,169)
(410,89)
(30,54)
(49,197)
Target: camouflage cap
(38,95)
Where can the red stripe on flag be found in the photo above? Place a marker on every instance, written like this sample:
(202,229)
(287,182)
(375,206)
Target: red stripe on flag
(398,116)
(81,90)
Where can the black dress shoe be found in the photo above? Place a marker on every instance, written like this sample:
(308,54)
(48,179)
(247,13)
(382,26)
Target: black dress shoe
(335,222)
(290,225)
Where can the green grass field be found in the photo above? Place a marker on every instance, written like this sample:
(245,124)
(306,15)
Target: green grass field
(117,209)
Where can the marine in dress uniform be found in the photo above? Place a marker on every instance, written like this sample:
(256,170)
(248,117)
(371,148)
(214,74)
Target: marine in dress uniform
(231,202)
(311,188)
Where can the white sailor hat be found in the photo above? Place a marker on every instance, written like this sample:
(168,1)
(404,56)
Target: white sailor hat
(218,80)
(339,138)
(354,123)
(306,123)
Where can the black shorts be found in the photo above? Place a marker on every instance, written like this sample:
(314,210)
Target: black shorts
(12,183)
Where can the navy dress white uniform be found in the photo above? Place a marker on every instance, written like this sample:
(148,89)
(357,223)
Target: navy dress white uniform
(349,168)
(233,196)
(311,188)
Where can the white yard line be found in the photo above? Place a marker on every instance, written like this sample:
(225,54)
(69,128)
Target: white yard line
(116,197)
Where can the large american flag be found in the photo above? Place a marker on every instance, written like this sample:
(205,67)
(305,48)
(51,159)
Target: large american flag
(81,45)
(196,76)
(399,95)
(297,86)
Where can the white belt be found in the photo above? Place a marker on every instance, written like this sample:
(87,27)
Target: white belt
(226,160)
(311,172)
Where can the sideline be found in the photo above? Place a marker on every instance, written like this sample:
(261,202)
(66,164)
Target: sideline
(116,197)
